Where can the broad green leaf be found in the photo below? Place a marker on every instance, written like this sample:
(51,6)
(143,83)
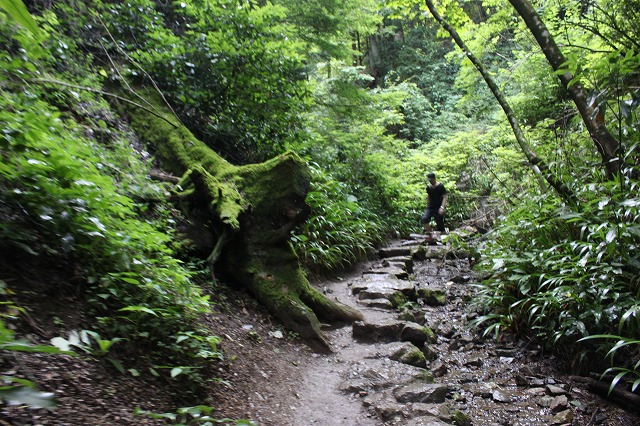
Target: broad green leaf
(21,346)
(194,411)
(29,396)
(18,11)
(138,309)
(117,364)
(616,379)
(130,280)
(23,382)
(170,416)
(181,338)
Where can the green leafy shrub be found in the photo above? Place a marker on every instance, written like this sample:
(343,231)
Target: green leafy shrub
(355,202)
(340,231)
(561,274)
(233,70)
(69,181)
(197,415)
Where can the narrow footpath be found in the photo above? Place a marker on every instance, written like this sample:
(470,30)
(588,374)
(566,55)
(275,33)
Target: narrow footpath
(414,361)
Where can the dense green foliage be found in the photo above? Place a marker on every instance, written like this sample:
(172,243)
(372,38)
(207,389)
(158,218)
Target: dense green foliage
(69,180)
(554,272)
(374,98)
(575,276)
(232,69)
(74,178)
(561,272)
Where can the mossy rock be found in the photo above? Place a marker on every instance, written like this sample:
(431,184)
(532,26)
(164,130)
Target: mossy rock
(415,358)
(397,299)
(411,355)
(412,315)
(460,419)
(433,296)
(417,334)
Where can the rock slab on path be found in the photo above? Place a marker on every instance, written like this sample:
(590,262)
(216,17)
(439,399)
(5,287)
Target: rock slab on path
(413,362)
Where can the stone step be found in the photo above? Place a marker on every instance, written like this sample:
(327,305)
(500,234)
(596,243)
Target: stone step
(393,331)
(374,282)
(390,271)
(403,262)
(372,302)
(395,251)
(373,375)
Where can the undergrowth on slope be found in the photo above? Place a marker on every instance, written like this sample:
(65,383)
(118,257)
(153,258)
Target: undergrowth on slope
(340,231)
(561,274)
(75,191)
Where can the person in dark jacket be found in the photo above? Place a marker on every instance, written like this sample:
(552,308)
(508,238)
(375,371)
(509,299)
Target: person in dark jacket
(436,204)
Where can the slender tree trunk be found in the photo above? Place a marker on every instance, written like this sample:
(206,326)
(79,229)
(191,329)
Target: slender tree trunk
(605,143)
(538,165)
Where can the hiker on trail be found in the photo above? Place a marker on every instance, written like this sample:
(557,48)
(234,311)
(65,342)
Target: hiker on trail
(436,204)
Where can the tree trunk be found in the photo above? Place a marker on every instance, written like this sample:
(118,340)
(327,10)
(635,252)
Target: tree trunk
(538,165)
(606,144)
(250,211)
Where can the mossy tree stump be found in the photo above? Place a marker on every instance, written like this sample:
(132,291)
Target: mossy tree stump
(250,211)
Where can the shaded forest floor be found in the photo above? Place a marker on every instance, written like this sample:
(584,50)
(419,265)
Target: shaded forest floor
(272,378)
(259,357)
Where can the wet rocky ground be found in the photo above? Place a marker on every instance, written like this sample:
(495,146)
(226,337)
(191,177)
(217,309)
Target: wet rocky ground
(414,360)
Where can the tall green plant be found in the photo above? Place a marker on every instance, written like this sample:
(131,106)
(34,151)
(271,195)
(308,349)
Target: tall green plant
(340,231)
(18,12)
(561,275)
(68,179)
(625,359)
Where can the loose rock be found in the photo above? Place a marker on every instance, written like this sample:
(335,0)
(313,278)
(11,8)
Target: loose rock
(422,392)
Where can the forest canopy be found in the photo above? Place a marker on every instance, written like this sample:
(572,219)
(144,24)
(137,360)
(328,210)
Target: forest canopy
(527,112)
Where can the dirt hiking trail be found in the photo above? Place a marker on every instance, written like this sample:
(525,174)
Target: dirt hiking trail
(414,361)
